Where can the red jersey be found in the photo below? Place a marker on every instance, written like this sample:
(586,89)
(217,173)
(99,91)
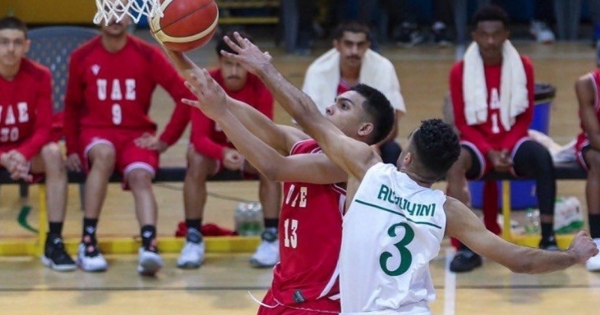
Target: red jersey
(310,236)
(26,109)
(207,137)
(491,134)
(114,90)
(582,138)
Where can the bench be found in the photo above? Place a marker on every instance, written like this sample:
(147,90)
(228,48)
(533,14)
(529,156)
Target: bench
(564,171)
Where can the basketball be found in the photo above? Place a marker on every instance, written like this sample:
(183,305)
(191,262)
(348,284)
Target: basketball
(185,24)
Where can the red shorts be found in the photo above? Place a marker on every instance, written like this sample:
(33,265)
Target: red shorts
(323,306)
(128,155)
(485,164)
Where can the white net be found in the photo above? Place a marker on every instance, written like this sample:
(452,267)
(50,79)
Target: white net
(116,10)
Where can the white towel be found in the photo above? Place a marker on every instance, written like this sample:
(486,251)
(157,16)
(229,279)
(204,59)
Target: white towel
(323,76)
(514,98)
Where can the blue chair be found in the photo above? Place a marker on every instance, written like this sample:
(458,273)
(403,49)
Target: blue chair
(52,46)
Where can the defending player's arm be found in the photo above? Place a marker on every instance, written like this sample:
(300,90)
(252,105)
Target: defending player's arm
(586,95)
(268,161)
(466,227)
(353,156)
(265,129)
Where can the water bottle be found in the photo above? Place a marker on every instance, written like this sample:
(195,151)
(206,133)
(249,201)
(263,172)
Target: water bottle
(532,222)
(248,219)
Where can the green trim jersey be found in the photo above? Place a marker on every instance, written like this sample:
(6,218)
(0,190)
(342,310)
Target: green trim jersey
(392,230)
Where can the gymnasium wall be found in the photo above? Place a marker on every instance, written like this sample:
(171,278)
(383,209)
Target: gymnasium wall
(50,11)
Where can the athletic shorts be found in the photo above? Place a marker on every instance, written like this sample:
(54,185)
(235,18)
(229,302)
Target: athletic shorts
(128,155)
(323,306)
(481,165)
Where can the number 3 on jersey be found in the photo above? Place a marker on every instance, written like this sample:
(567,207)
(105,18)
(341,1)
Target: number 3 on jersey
(405,254)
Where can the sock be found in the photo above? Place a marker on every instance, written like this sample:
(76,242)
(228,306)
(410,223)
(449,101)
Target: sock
(594,222)
(193,224)
(55,228)
(89,229)
(148,234)
(547,230)
(271,223)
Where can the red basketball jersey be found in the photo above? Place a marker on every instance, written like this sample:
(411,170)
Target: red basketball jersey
(310,236)
(582,137)
(26,109)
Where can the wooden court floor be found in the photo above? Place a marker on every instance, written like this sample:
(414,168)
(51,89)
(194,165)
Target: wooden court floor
(224,283)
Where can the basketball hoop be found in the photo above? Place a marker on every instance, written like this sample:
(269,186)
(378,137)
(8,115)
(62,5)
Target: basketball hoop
(115,10)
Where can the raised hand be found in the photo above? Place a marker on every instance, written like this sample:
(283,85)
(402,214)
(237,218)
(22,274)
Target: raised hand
(583,247)
(248,54)
(212,99)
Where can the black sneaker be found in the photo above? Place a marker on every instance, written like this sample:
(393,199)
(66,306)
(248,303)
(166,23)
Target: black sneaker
(465,260)
(55,256)
(549,243)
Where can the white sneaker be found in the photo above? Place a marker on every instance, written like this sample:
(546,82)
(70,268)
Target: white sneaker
(593,264)
(192,253)
(149,262)
(267,253)
(90,259)
(541,32)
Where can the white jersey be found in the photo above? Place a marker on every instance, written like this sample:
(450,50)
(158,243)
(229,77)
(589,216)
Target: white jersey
(392,230)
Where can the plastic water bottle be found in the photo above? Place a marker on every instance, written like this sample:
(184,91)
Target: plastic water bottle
(532,222)
(248,219)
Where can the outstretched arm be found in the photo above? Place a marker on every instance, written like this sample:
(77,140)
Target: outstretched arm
(353,156)
(465,226)
(281,139)
(307,168)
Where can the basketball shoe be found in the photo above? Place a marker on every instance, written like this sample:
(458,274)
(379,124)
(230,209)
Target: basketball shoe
(149,262)
(90,259)
(192,254)
(55,256)
(267,253)
(465,260)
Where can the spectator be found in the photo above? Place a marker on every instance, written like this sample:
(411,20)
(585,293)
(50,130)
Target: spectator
(349,63)
(492,93)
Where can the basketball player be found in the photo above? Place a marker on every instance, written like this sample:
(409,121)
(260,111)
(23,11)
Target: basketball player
(210,152)
(492,92)
(394,223)
(310,226)
(26,148)
(110,86)
(588,152)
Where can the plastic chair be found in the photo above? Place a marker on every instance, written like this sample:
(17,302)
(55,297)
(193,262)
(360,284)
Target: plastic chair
(52,47)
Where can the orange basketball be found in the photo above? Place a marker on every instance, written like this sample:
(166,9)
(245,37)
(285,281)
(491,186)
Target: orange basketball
(185,24)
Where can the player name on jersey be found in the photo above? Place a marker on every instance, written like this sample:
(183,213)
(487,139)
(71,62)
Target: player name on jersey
(412,208)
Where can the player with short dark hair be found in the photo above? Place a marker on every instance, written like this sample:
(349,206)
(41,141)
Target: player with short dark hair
(26,148)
